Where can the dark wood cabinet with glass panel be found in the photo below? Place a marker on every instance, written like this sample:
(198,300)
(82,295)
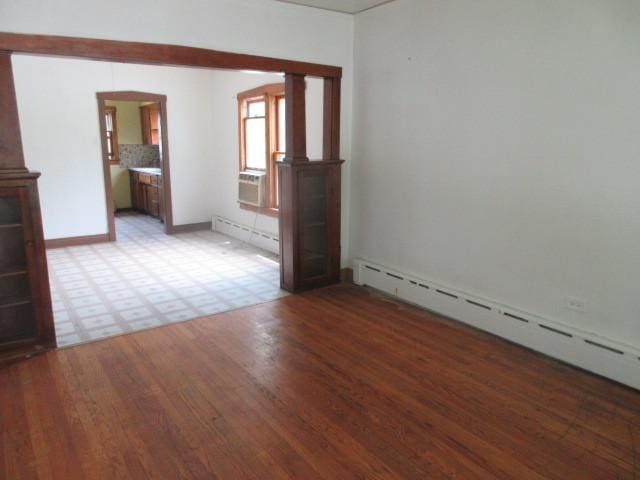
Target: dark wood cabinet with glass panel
(310,223)
(26,319)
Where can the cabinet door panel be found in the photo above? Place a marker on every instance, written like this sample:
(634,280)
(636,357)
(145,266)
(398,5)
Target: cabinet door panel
(26,320)
(17,322)
(13,253)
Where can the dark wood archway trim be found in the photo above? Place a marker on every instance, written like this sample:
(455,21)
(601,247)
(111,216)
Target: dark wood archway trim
(166,171)
(156,54)
(11,155)
(297,167)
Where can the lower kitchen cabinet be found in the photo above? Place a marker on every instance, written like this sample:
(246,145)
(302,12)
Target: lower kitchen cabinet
(145,194)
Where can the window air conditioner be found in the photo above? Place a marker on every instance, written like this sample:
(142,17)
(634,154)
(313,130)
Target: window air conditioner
(251,188)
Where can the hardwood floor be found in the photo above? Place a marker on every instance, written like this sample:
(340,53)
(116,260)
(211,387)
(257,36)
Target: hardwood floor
(338,383)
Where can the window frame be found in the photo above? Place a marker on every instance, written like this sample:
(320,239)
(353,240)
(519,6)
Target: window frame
(269,94)
(112,111)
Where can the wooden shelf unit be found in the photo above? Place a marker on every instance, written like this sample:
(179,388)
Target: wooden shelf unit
(310,222)
(26,318)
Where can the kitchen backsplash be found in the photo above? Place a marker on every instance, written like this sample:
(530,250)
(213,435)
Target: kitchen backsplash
(139,155)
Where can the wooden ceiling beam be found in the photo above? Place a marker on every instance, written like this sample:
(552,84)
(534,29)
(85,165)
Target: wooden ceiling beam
(156,54)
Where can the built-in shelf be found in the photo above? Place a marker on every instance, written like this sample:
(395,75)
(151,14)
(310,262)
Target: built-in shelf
(315,224)
(312,256)
(10,225)
(13,271)
(320,196)
(14,301)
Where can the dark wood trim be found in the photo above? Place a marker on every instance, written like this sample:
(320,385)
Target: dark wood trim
(76,241)
(191,227)
(270,212)
(272,89)
(11,154)
(135,96)
(346,275)
(165,185)
(156,54)
(296,119)
(331,119)
(106,171)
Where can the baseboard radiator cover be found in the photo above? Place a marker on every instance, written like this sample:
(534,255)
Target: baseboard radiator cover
(258,238)
(588,351)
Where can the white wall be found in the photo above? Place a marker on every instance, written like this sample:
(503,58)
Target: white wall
(72,183)
(128,121)
(496,150)
(247,26)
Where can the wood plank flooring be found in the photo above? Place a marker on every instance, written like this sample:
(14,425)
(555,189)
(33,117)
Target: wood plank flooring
(340,383)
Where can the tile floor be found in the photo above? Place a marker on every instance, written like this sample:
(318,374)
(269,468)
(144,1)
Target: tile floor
(147,279)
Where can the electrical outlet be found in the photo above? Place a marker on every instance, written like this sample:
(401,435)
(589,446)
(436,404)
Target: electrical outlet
(577,304)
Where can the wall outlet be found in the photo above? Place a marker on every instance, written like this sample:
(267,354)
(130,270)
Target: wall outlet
(577,304)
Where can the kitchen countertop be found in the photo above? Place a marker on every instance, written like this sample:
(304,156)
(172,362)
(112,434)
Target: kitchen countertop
(147,170)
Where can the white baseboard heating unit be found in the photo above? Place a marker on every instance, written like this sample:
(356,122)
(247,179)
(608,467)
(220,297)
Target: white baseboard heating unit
(619,362)
(257,238)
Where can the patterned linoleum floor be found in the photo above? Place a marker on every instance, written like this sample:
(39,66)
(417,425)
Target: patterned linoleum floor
(147,279)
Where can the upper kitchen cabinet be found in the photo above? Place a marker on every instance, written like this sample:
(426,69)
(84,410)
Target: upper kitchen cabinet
(150,115)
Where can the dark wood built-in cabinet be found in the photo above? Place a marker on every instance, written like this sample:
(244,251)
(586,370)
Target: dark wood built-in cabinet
(310,222)
(26,317)
(26,320)
(146,194)
(309,193)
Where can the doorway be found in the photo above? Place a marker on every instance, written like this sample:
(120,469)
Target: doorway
(135,156)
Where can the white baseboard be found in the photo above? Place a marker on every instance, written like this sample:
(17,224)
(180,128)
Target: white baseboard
(586,350)
(257,238)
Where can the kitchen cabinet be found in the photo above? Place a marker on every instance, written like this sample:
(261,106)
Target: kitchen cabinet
(150,116)
(146,194)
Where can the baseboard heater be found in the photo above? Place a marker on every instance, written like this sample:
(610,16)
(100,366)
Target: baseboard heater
(258,238)
(591,352)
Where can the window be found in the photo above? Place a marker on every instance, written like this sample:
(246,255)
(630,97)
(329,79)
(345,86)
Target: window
(262,135)
(255,130)
(111,134)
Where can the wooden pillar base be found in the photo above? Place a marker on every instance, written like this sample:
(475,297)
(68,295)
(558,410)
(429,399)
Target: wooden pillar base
(309,224)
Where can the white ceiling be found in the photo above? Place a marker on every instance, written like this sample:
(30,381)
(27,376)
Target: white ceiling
(345,6)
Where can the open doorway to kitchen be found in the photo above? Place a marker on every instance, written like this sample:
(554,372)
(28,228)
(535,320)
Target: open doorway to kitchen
(135,157)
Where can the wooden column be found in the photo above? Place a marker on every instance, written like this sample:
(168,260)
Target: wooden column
(331,119)
(11,156)
(294,91)
(331,153)
(309,193)
(26,317)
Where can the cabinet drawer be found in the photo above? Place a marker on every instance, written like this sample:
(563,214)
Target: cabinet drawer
(144,178)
